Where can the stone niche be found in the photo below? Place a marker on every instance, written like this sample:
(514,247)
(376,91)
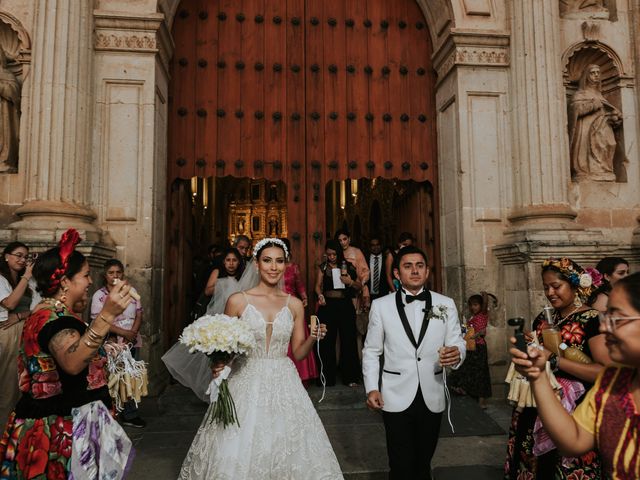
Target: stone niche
(578,60)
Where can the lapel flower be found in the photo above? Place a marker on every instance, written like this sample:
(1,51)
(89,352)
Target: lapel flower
(438,312)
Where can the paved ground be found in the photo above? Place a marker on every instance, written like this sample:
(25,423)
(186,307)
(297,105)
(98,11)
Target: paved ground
(475,452)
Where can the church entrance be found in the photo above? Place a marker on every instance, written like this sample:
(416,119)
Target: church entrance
(307,95)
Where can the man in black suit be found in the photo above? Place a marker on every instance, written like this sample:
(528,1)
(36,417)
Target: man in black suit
(377,284)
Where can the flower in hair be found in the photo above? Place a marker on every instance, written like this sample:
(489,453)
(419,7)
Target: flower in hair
(270,241)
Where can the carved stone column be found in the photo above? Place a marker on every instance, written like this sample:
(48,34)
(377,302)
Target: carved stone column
(58,149)
(540,145)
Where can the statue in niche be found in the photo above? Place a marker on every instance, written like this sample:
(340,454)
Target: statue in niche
(273,227)
(592,122)
(9,117)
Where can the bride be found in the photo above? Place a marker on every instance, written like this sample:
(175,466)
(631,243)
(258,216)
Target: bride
(279,435)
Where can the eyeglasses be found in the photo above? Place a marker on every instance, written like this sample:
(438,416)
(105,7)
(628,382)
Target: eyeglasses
(19,256)
(610,323)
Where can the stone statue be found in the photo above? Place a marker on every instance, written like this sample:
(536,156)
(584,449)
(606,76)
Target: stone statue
(9,117)
(592,122)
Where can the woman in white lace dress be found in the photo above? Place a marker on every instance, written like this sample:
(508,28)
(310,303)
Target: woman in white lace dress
(280,435)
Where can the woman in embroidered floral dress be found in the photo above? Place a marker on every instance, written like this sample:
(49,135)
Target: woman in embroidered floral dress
(608,418)
(60,366)
(566,286)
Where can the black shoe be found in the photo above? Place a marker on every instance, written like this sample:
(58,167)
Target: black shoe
(136,422)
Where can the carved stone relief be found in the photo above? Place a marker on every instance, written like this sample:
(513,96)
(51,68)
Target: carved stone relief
(585,9)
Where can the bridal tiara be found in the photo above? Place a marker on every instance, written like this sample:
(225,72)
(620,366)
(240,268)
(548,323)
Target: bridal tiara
(266,241)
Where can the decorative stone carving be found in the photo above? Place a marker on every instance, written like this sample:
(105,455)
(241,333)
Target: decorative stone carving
(9,117)
(474,56)
(584,8)
(591,129)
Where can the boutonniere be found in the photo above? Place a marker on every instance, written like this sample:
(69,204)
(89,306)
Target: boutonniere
(438,312)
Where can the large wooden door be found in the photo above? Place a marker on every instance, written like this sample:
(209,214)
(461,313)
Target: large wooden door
(304,92)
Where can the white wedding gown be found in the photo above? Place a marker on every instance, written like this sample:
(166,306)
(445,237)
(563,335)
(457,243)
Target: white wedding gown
(280,434)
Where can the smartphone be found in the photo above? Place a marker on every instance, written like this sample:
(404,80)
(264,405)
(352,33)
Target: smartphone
(521,342)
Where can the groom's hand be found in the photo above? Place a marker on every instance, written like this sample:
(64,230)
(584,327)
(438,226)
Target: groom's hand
(374,400)
(449,356)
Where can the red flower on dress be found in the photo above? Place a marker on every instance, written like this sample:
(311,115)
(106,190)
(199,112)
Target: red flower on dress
(32,327)
(46,385)
(24,379)
(588,457)
(572,333)
(56,471)
(61,436)
(578,475)
(11,441)
(33,451)
(96,376)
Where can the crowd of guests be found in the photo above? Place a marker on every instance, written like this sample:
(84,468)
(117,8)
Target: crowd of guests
(51,360)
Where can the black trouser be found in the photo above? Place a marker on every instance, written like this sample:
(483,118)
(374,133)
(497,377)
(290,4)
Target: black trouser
(339,316)
(412,436)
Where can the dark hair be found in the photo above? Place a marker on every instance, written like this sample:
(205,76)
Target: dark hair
(342,231)
(239,239)
(407,251)
(5,271)
(269,245)
(608,264)
(404,236)
(287,243)
(475,299)
(335,246)
(213,248)
(112,262)
(222,272)
(49,262)
(631,286)
(553,268)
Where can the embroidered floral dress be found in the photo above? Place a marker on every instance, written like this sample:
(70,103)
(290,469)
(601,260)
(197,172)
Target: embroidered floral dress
(576,331)
(37,440)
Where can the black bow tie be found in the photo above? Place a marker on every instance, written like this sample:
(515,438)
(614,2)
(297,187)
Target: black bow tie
(422,296)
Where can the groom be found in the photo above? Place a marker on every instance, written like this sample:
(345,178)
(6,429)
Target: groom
(418,333)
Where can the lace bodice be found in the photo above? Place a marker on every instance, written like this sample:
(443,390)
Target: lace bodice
(272,339)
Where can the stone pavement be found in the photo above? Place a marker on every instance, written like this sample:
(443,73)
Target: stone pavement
(475,452)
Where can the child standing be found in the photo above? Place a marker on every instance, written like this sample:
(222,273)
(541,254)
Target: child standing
(473,378)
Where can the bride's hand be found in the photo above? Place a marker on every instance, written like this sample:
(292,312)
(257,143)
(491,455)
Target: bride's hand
(319,331)
(216,368)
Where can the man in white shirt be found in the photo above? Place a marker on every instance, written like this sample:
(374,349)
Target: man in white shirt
(418,333)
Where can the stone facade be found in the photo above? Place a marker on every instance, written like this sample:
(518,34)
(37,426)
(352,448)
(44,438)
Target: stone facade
(93,139)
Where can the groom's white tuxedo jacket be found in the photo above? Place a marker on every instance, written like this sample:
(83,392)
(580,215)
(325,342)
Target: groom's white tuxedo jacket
(405,366)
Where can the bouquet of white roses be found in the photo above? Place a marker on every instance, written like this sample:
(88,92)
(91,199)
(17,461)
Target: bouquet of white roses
(221,338)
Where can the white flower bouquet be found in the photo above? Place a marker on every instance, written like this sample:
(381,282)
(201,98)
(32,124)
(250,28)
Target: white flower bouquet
(221,338)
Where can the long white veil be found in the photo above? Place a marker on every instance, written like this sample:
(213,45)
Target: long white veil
(192,369)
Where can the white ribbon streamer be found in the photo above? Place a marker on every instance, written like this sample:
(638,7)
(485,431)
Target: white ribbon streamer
(447,397)
(214,387)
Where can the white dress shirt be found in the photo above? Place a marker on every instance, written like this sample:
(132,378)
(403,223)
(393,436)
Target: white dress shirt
(415,312)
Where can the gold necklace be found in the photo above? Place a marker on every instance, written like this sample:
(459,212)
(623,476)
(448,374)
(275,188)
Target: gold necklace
(57,304)
(568,315)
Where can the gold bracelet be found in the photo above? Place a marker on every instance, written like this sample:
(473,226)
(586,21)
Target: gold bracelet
(101,317)
(95,334)
(91,345)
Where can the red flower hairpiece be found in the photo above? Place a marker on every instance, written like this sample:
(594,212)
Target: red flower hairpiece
(67,245)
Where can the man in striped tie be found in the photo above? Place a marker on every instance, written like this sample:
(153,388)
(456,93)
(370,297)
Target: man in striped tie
(378,287)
